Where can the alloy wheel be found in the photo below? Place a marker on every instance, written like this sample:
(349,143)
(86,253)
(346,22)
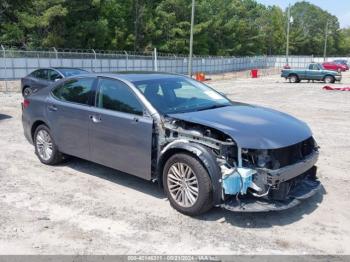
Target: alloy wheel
(183,184)
(27,91)
(44,144)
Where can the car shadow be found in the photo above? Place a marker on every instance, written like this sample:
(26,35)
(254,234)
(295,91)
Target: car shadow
(114,176)
(266,219)
(306,82)
(238,219)
(3,117)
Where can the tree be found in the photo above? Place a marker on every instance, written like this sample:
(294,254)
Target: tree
(308,30)
(222,27)
(344,42)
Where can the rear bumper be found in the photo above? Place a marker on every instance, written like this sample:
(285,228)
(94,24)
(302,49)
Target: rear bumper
(26,128)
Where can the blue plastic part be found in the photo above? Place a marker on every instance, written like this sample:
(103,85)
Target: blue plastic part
(232,182)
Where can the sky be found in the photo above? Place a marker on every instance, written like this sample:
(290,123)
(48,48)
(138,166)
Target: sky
(339,8)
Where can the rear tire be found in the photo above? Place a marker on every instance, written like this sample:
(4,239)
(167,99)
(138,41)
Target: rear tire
(45,147)
(184,177)
(27,91)
(294,79)
(329,79)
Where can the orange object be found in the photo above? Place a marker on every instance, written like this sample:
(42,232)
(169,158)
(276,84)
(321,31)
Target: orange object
(254,73)
(200,76)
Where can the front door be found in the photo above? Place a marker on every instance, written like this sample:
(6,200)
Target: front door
(314,72)
(121,135)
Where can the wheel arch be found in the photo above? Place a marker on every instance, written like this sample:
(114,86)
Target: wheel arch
(327,76)
(35,126)
(201,153)
(293,74)
(24,87)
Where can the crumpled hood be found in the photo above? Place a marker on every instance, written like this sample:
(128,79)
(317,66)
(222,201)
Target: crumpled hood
(251,126)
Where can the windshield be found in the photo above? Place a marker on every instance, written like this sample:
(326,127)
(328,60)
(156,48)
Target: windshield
(71,71)
(179,95)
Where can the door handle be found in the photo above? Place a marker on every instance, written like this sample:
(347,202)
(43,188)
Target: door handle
(95,119)
(136,119)
(52,108)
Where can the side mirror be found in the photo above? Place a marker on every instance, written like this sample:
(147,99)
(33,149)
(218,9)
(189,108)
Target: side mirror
(57,79)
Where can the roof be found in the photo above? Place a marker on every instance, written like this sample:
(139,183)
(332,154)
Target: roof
(137,76)
(72,68)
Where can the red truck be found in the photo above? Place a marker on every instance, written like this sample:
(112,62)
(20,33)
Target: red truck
(335,66)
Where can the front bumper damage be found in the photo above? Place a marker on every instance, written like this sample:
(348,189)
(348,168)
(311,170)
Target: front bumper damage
(289,186)
(245,179)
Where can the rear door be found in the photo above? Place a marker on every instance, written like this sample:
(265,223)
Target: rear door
(40,79)
(68,111)
(120,130)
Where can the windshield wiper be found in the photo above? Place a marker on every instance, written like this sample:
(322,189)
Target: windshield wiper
(212,107)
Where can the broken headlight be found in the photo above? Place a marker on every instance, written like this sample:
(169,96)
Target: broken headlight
(257,158)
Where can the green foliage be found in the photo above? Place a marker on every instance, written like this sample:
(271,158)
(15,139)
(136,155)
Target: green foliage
(222,27)
(309,27)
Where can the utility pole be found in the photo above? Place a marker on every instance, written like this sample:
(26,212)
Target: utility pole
(325,42)
(136,23)
(288,29)
(5,67)
(191,41)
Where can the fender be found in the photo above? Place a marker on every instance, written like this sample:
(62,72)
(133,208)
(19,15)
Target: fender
(204,154)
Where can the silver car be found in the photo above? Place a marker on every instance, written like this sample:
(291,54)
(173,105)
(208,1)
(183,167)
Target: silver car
(204,149)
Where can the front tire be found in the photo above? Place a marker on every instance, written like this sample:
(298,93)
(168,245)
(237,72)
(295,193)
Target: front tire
(45,147)
(187,185)
(329,79)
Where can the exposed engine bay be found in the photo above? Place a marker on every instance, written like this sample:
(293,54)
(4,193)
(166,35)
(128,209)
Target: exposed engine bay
(251,180)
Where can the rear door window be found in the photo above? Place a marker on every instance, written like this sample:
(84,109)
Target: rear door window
(42,74)
(75,91)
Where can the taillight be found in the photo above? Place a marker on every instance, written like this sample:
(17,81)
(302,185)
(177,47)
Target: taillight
(25,103)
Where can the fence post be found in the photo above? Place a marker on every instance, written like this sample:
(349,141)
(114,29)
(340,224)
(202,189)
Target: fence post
(56,53)
(5,67)
(127,61)
(95,59)
(155,65)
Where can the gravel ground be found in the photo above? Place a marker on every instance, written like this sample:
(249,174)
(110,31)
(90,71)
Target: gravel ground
(84,208)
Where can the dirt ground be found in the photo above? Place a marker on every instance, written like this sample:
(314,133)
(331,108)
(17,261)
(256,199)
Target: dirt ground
(84,208)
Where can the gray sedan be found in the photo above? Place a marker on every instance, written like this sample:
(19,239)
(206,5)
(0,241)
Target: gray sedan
(204,149)
(43,77)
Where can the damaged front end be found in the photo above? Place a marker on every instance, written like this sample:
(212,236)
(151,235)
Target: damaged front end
(250,180)
(275,179)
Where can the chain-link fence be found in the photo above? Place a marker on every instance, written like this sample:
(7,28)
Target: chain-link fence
(15,63)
